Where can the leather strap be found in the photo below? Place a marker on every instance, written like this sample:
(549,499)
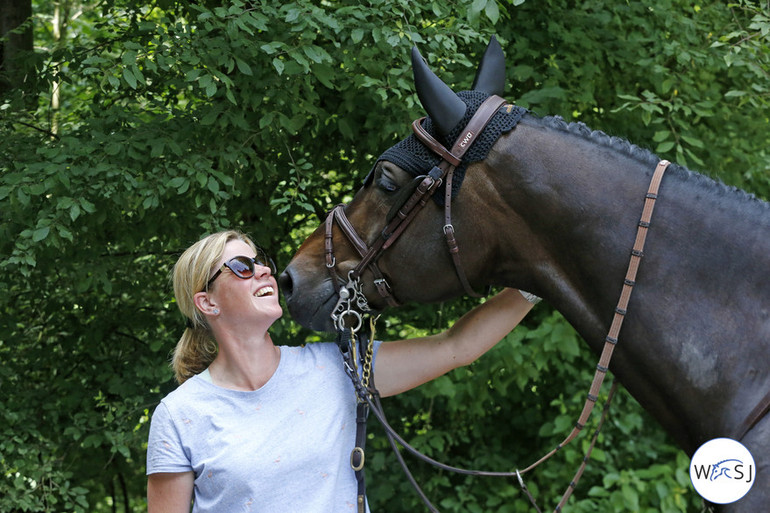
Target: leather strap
(759,411)
(358,456)
(330,259)
(476,125)
(620,311)
(435,146)
(451,159)
(338,214)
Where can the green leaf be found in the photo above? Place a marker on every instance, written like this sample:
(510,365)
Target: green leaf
(75,212)
(65,234)
(113,148)
(40,234)
(123,450)
(129,77)
(211,88)
(271,48)
(692,141)
(357,35)
(138,75)
(478,5)
(278,65)
(176,182)
(243,67)
(193,74)
(87,206)
(492,11)
(213,185)
(266,119)
(313,53)
(113,81)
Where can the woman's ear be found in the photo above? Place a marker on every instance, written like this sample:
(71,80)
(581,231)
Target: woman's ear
(204,302)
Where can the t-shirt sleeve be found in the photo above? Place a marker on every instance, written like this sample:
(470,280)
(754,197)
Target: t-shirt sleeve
(165,451)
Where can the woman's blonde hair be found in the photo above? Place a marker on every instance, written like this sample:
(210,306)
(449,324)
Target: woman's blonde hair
(197,348)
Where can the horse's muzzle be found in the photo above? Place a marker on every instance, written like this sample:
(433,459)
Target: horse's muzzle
(310,304)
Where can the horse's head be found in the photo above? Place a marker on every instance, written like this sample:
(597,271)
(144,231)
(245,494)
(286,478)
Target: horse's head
(389,244)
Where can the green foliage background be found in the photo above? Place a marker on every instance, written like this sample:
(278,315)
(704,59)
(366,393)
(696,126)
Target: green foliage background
(178,118)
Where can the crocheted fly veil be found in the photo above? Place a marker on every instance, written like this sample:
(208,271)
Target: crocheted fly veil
(414,157)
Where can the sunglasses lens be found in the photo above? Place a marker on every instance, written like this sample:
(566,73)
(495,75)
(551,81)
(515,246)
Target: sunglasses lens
(264,260)
(243,267)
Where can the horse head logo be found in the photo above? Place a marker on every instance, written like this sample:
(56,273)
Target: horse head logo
(719,470)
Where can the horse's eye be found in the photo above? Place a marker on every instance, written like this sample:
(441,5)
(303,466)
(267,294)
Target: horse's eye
(387,185)
(387,177)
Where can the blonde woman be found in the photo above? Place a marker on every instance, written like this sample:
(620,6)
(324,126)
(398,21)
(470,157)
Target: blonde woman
(255,426)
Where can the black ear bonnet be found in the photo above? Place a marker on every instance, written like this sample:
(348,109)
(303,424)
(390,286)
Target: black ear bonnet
(414,157)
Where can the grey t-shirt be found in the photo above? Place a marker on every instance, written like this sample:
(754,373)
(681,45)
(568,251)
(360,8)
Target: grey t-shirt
(282,448)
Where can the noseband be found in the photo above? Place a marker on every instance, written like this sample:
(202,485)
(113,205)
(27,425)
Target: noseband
(351,300)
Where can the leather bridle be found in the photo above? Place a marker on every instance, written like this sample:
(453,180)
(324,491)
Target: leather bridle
(426,188)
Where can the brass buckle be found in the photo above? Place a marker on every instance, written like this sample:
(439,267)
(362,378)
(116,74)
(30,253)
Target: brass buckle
(357,451)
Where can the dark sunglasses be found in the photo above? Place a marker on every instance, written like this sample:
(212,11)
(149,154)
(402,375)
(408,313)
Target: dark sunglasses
(243,266)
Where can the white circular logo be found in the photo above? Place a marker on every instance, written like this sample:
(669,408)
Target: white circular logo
(722,470)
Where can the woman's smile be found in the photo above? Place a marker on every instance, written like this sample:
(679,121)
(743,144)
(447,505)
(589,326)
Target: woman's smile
(267,290)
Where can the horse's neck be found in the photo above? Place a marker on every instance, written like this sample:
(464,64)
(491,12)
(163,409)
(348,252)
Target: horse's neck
(579,210)
(582,202)
(698,292)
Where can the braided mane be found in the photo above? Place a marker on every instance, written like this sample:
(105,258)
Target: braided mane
(643,156)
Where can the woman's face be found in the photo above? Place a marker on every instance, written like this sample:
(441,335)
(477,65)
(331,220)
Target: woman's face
(245,300)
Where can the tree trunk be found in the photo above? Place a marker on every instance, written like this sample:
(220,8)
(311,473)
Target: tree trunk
(13,15)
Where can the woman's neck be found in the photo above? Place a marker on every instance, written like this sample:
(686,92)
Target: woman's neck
(244,364)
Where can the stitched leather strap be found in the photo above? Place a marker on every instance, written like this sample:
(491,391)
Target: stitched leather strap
(612,338)
(476,125)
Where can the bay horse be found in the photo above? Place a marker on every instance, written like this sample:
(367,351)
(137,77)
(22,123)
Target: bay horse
(553,208)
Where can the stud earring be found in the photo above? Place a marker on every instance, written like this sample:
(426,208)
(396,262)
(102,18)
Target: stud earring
(216,311)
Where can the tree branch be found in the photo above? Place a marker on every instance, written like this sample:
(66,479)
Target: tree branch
(43,130)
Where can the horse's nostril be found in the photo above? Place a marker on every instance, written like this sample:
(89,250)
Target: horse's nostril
(286,284)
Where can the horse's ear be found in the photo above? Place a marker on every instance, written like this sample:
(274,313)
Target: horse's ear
(444,107)
(490,76)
